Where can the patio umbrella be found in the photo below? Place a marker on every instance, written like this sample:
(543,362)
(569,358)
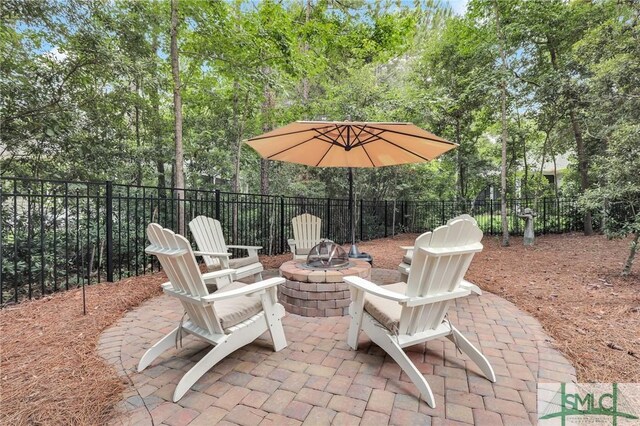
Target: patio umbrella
(350,144)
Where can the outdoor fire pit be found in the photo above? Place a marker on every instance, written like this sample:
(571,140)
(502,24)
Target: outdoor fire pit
(315,287)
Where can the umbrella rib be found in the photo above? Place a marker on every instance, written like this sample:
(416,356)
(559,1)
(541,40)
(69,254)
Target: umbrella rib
(359,143)
(371,138)
(325,154)
(402,148)
(340,132)
(329,139)
(412,135)
(291,147)
(357,137)
(313,129)
(303,142)
(368,156)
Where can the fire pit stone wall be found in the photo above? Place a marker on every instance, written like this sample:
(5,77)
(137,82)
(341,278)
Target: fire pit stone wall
(318,293)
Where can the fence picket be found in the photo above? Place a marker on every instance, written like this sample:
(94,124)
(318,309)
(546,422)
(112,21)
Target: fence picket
(117,214)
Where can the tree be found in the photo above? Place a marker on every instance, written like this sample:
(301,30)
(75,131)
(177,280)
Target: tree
(617,194)
(504,124)
(610,52)
(177,107)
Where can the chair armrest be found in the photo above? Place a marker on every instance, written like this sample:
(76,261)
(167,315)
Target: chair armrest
(248,289)
(292,244)
(206,253)
(219,274)
(408,250)
(471,287)
(447,251)
(251,250)
(246,247)
(375,289)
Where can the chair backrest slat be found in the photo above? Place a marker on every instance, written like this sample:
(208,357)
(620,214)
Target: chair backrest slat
(440,273)
(209,237)
(306,230)
(184,274)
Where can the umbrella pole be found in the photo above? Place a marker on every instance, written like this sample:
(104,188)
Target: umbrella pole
(353,252)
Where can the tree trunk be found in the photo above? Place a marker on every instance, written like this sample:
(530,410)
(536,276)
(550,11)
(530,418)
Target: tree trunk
(461,168)
(267,106)
(305,49)
(177,105)
(505,132)
(235,182)
(138,142)
(238,124)
(156,127)
(632,254)
(583,165)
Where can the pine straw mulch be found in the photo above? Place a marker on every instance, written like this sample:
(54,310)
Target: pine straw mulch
(570,283)
(50,372)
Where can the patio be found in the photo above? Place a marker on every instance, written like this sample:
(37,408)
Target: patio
(317,379)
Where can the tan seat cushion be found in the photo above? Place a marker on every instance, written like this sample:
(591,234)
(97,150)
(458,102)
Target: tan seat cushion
(234,311)
(386,311)
(407,259)
(236,263)
(243,261)
(300,251)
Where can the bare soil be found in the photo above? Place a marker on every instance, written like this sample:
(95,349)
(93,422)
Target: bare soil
(50,372)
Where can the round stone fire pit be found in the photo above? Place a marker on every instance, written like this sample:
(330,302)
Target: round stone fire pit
(315,292)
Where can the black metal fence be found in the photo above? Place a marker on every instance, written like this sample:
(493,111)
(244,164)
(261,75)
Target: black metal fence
(56,235)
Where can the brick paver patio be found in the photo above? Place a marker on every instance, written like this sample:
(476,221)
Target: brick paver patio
(318,379)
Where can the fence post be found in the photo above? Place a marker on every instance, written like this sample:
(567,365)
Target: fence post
(282,225)
(361,224)
(327,231)
(544,215)
(109,228)
(386,233)
(491,216)
(217,204)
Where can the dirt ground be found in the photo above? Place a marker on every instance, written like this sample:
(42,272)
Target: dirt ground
(50,372)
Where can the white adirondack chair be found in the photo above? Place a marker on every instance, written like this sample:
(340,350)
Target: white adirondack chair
(306,235)
(233,316)
(404,266)
(209,237)
(403,314)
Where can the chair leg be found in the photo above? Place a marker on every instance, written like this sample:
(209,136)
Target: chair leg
(224,347)
(154,351)
(473,353)
(356,312)
(389,345)
(273,313)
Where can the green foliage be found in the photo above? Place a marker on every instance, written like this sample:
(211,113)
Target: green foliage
(86,89)
(617,194)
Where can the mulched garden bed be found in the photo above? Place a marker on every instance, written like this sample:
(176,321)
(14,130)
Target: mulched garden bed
(50,372)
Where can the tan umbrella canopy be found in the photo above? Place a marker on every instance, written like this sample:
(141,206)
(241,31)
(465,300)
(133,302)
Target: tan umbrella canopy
(350,144)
